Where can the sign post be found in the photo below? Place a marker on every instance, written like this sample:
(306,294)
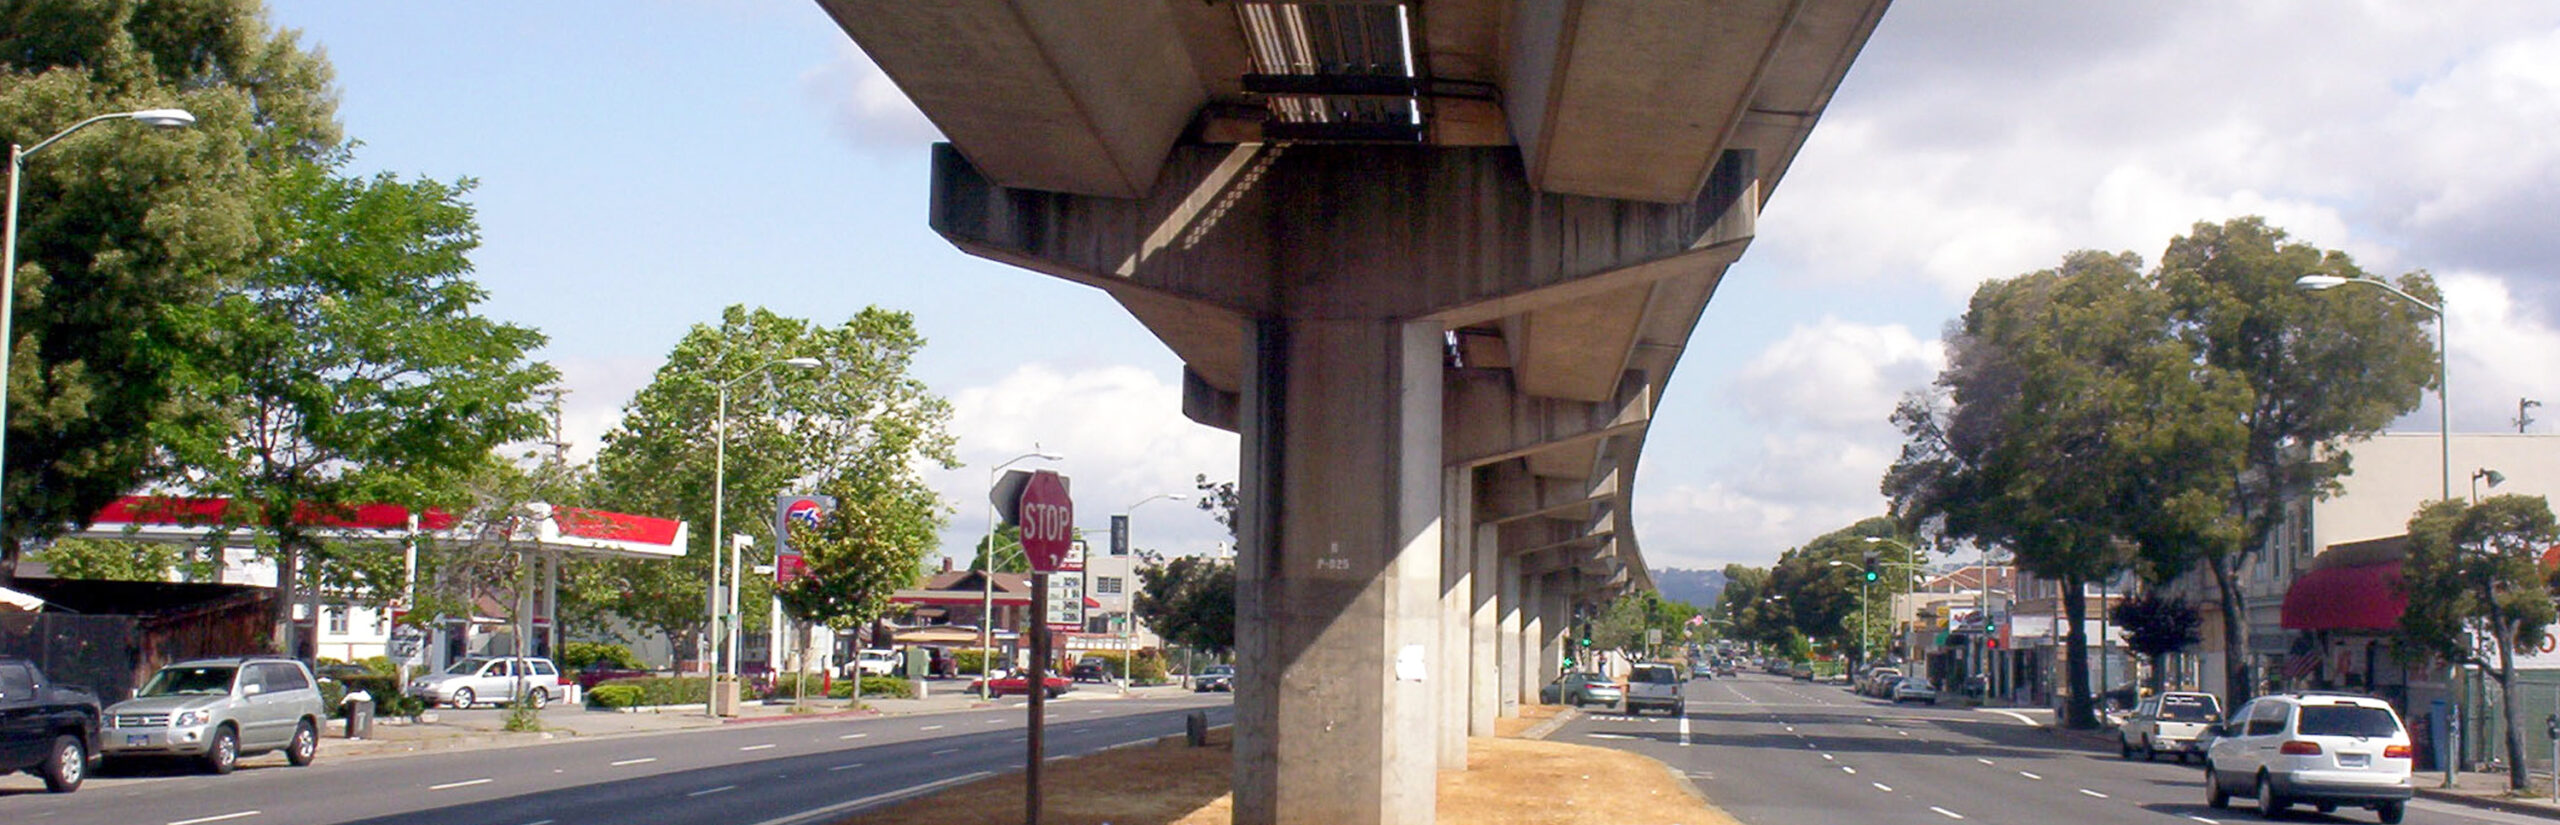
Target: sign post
(1047,519)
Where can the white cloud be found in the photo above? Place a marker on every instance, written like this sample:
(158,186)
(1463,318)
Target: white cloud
(1835,376)
(866,107)
(1122,432)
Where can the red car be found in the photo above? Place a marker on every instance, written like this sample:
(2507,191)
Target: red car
(1017,685)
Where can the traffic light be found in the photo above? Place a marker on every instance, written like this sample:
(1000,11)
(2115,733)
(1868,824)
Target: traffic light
(1871,574)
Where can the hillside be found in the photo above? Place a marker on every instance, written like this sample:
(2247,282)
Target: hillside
(1698,587)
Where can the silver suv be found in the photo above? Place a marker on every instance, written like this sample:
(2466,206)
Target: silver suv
(1655,685)
(2173,723)
(218,710)
(478,679)
(2323,750)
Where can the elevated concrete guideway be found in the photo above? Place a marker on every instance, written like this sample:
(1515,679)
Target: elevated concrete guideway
(1434,261)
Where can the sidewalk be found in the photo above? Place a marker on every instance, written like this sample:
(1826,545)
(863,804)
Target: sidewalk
(480,728)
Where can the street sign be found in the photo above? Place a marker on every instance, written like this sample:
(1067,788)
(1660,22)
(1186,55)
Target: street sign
(407,646)
(1047,519)
(1120,534)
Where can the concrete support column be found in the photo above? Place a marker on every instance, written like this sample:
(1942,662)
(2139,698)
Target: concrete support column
(1457,610)
(1507,636)
(1338,572)
(1483,648)
(1552,620)
(1532,639)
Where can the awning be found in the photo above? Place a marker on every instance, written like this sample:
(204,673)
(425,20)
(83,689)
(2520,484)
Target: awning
(942,635)
(2361,597)
(14,600)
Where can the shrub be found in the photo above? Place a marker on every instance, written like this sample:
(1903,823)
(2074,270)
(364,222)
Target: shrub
(666,690)
(614,696)
(1149,668)
(972,662)
(580,655)
(333,698)
(786,686)
(382,666)
(875,687)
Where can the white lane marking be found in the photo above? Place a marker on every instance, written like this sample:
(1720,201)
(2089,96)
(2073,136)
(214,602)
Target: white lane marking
(1951,750)
(2022,718)
(1902,733)
(1827,757)
(204,819)
(1848,770)
(1684,731)
(2029,775)
(995,721)
(1946,813)
(1982,760)
(640,761)
(461,784)
(1791,728)
(2204,820)
(754,747)
(1620,736)
(541,822)
(2093,793)
(844,767)
(853,736)
(1019,739)
(820,814)
(944,752)
(710,791)
(1882,787)
(930,727)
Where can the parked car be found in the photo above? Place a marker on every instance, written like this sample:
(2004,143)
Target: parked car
(1020,685)
(878,662)
(1091,669)
(1220,678)
(2318,749)
(1579,689)
(218,710)
(46,729)
(1800,671)
(1912,689)
(494,680)
(1655,685)
(1879,681)
(599,673)
(2172,723)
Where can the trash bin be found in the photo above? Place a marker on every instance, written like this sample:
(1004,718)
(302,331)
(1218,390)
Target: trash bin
(359,718)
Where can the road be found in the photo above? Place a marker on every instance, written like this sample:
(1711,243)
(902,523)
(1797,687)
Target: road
(770,773)
(1772,751)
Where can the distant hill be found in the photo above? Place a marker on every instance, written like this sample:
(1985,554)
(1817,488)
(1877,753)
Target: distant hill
(1697,587)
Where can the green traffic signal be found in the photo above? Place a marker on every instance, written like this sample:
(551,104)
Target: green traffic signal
(1871,575)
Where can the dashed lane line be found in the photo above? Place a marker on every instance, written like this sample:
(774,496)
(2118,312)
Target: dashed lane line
(853,736)
(1848,770)
(2029,775)
(2022,718)
(710,791)
(2204,820)
(1882,787)
(845,767)
(462,784)
(944,752)
(1946,813)
(216,818)
(1982,760)
(640,761)
(930,727)
(765,746)
(2093,793)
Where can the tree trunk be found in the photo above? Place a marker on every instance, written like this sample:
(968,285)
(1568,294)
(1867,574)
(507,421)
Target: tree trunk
(2080,712)
(2506,676)
(2235,631)
(288,571)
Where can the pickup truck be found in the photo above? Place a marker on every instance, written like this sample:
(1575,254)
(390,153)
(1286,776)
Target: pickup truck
(46,729)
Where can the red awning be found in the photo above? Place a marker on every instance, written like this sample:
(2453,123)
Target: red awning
(2363,597)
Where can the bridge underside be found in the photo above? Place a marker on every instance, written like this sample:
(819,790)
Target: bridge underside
(1433,261)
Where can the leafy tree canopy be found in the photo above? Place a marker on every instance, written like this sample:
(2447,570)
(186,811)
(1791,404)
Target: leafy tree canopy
(1190,601)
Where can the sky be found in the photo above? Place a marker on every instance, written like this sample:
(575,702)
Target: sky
(641,165)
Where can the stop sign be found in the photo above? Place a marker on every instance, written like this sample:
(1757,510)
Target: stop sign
(1047,519)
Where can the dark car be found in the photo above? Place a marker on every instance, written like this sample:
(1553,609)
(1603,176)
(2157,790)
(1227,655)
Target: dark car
(1091,669)
(1221,678)
(592,675)
(46,729)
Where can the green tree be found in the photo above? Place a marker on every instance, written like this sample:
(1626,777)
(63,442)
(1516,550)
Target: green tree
(2327,369)
(2063,387)
(348,367)
(861,415)
(75,558)
(2475,570)
(123,231)
(1190,601)
(2155,627)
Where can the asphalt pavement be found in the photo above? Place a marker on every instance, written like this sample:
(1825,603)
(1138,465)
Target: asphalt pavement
(1773,751)
(774,773)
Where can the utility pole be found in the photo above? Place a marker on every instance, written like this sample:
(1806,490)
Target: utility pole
(2522,419)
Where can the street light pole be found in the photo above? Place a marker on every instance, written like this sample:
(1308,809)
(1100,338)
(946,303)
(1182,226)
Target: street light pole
(987,568)
(2444,348)
(1129,513)
(719,527)
(161,118)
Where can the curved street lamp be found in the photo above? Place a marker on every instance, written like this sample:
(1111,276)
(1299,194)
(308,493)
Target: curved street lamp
(2444,345)
(719,526)
(159,118)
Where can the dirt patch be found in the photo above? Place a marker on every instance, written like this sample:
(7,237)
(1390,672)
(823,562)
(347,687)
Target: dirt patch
(1530,716)
(1507,781)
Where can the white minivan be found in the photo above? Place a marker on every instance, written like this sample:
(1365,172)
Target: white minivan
(2318,749)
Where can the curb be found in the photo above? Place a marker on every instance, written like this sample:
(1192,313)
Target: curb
(2489,803)
(1540,730)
